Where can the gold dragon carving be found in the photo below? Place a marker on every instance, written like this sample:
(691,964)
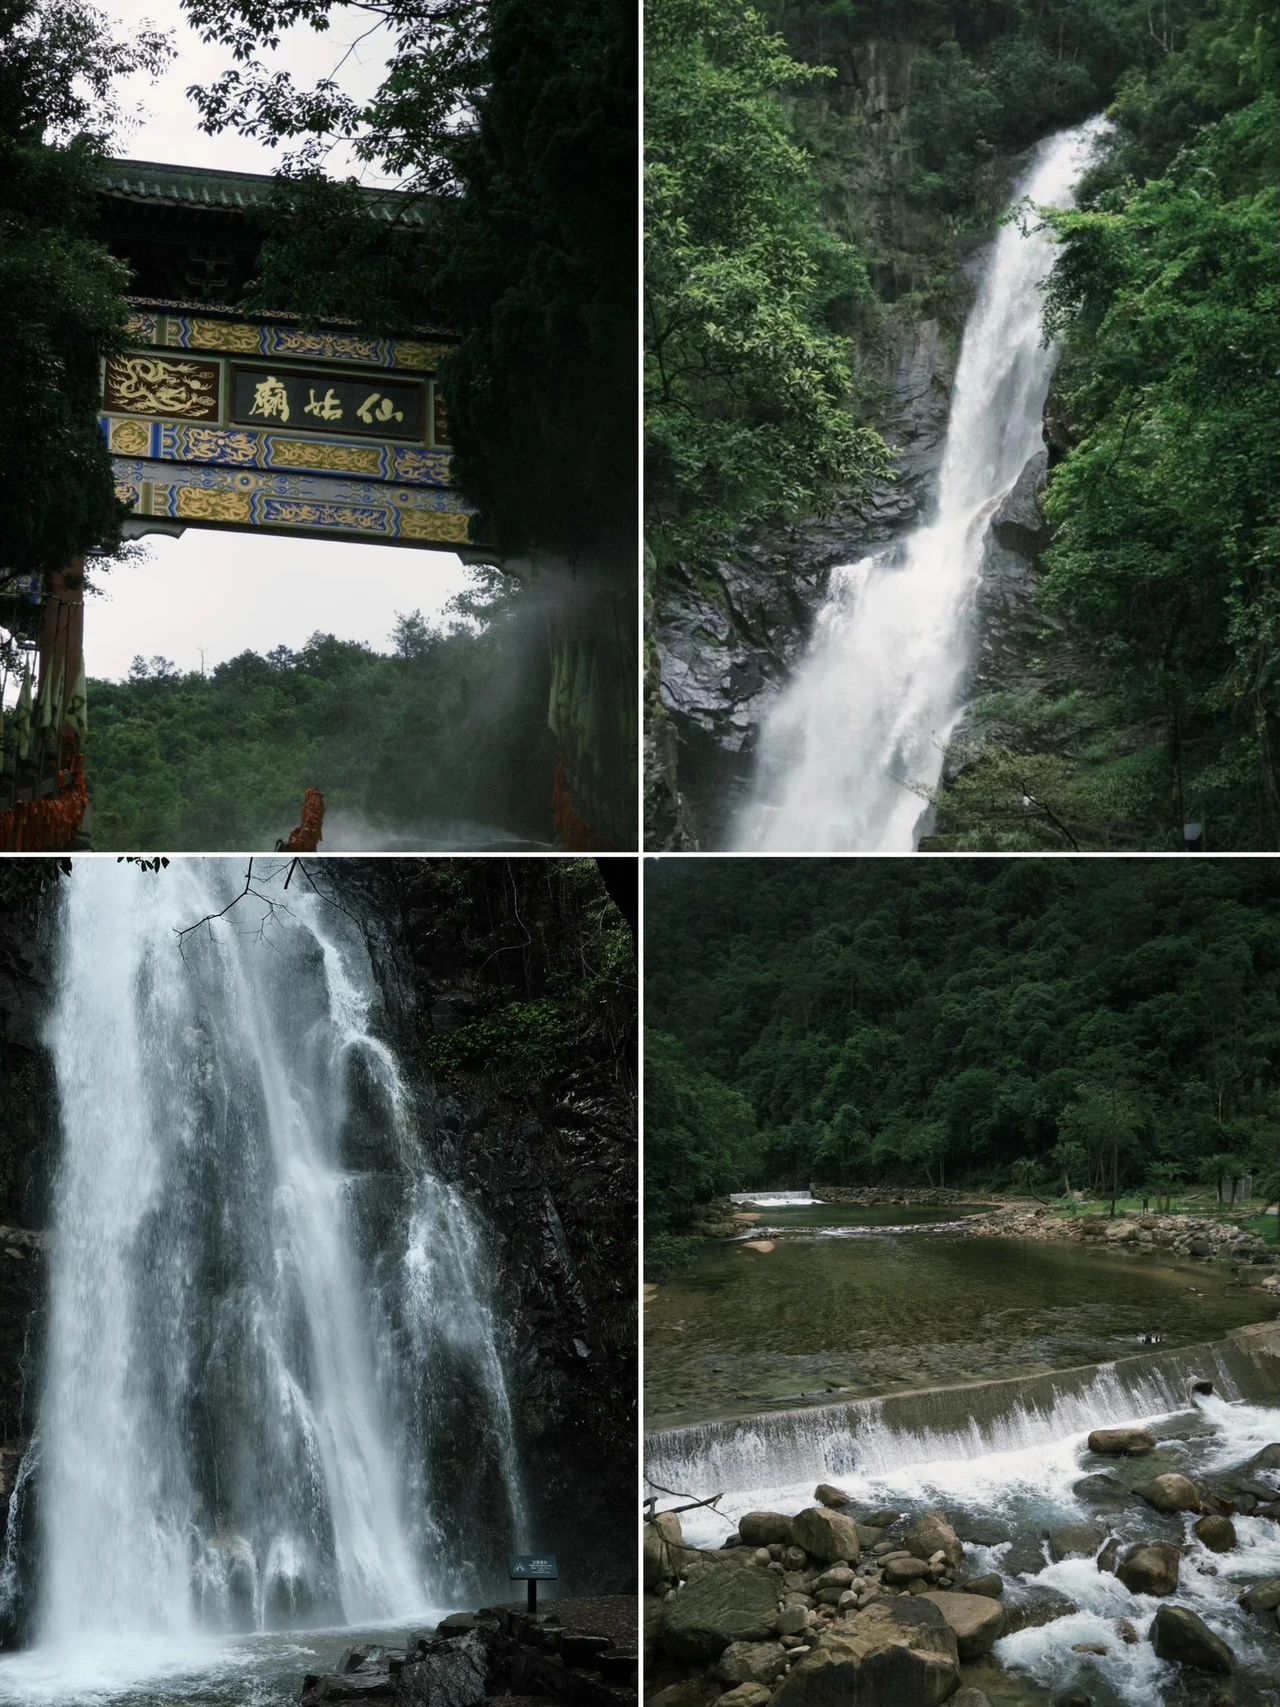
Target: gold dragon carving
(152,386)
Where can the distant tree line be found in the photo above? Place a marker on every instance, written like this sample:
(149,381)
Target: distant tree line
(449,725)
(1052,1025)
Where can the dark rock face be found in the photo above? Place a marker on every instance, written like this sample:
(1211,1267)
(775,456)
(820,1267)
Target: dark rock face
(28,1113)
(450,1673)
(730,631)
(551,1160)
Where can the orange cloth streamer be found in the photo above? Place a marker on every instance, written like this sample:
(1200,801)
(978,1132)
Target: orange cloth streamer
(48,825)
(306,838)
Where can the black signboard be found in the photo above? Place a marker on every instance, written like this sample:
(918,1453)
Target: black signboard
(534,1567)
(376,408)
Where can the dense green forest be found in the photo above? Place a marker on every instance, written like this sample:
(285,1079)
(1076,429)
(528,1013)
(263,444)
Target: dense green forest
(862,149)
(1165,507)
(964,1022)
(446,726)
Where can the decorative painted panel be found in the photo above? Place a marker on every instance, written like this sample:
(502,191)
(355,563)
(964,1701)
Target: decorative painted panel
(151,385)
(258,338)
(238,438)
(308,504)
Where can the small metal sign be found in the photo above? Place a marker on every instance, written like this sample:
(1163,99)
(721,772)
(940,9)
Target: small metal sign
(532,1568)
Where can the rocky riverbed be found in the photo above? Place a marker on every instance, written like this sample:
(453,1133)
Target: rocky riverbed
(902,1607)
(582,1651)
(1194,1236)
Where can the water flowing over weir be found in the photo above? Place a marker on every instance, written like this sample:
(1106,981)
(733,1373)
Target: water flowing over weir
(873,1442)
(856,740)
(265,1309)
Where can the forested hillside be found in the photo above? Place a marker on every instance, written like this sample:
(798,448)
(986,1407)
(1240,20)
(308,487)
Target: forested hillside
(805,302)
(447,726)
(967,1022)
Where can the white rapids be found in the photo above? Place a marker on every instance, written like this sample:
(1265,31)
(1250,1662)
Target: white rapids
(855,743)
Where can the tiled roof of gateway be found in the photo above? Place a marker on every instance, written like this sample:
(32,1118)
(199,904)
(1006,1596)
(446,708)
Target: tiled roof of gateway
(204,186)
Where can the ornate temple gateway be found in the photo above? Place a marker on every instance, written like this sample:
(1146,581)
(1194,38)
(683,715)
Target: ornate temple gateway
(218,419)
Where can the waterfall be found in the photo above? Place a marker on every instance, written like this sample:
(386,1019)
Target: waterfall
(260,1292)
(774,1199)
(855,742)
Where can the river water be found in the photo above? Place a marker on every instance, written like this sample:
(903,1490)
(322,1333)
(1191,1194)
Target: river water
(267,1316)
(855,743)
(1050,1340)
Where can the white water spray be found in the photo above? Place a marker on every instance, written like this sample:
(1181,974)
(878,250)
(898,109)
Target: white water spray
(855,743)
(228,1438)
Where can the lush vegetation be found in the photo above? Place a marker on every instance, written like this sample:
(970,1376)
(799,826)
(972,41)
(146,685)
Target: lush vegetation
(1039,1023)
(1166,506)
(61,307)
(747,384)
(447,726)
(516,125)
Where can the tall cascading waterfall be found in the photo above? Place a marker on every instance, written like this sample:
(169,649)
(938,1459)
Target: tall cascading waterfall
(257,1286)
(855,743)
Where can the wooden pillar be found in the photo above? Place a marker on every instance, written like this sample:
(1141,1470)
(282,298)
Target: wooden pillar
(62,628)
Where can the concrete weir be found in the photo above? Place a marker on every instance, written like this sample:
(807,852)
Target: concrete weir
(932,1424)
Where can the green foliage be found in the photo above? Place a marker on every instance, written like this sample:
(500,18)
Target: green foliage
(699,1132)
(520,1042)
(61,301)
(1166,509)
(747,391)
(517,125)
(667,1256)
(1086,1025)
(450,728)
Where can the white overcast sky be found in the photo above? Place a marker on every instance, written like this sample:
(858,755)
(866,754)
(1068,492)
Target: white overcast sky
(224,593)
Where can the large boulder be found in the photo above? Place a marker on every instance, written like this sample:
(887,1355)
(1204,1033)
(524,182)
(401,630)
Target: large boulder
(449,1673)
(763,1528)
(662,1536)
(1169,1493)
(826,1535)
(751,1662)
(825,1494)
(1102,1490)
(903,1570)
(1267,1459)
(1150,1567)
(1074,1541)
(1217,1533)
(1122,1442)
(1263,1596)
(932,1533)
(723,1603)
(1177,1634)
(744,1695)
(897,1652)
(976,1621)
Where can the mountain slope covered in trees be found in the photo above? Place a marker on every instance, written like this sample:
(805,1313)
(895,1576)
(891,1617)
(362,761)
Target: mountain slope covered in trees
(959,1021)
(1144,693)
